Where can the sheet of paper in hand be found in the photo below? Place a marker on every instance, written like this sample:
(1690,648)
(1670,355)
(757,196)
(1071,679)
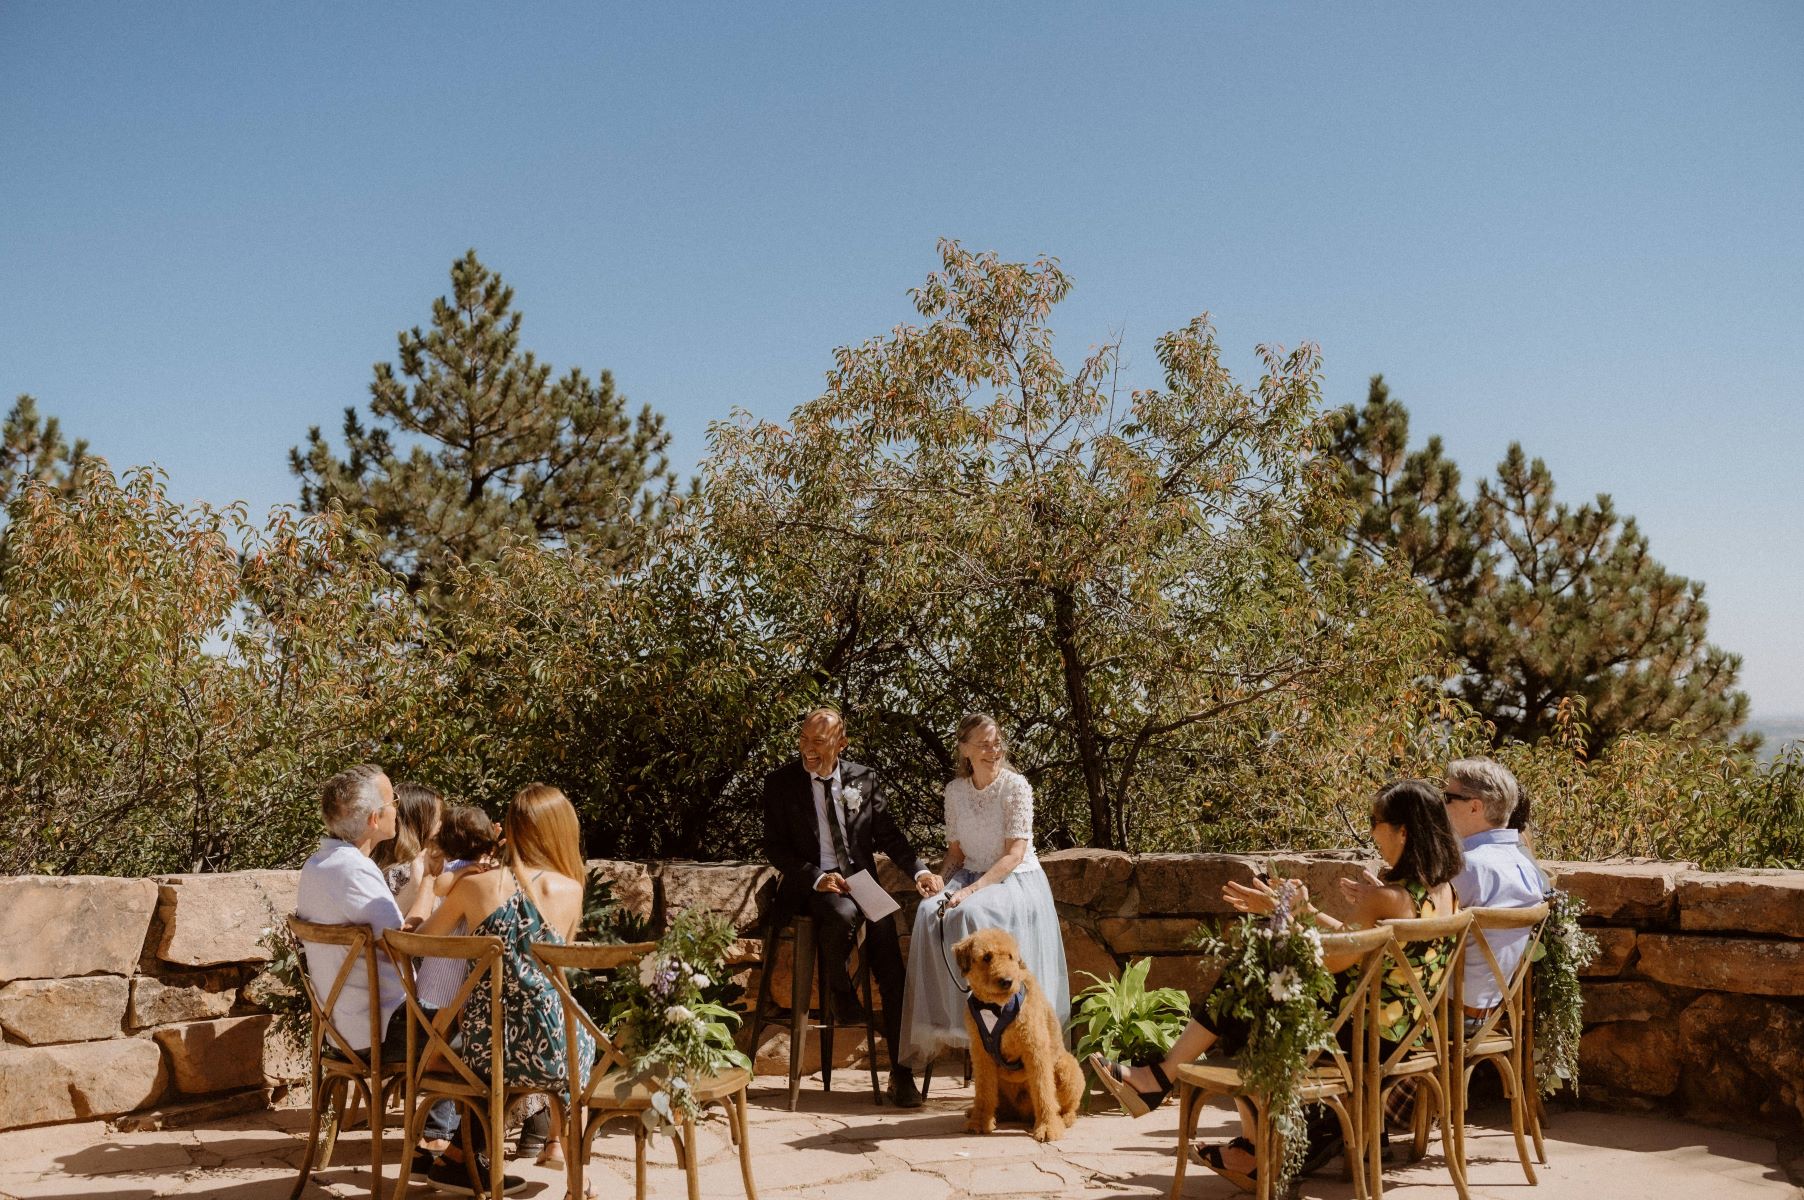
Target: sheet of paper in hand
(871,897)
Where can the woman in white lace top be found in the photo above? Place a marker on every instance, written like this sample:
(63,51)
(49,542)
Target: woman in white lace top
(993,881)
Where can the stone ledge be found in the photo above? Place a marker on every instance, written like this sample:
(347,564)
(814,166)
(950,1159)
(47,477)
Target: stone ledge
(215,1056)
(212,920)
(1747,966)
(84,1009)
(1645,892)
(100,925)
(1743,902)
(78,1082)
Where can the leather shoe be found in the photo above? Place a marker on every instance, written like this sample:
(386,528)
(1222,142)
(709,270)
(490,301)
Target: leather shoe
(902,1091)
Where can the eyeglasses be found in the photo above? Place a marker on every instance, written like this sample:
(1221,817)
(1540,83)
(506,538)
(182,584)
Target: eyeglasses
(1448,797)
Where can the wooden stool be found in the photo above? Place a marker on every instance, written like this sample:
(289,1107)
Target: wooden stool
(806,964)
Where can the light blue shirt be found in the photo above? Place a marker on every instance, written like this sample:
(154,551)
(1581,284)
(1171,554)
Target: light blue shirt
(1497,874)
(341,886)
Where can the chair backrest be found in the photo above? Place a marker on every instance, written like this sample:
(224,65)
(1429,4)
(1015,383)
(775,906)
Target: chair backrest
(1366,947)
(1425,999)
(1513,983)
(556,959)
(359,942)
(482,985)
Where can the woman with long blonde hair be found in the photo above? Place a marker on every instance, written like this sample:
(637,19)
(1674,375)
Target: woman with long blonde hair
(537,896)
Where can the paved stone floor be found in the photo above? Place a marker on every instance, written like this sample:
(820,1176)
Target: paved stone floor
(839,1147)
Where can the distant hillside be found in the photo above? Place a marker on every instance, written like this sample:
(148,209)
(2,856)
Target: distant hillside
(1778,731)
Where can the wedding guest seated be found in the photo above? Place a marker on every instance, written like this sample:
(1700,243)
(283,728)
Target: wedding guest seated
(1421,856)
(418,812)
(537,896)
(993,881)
(1483,802)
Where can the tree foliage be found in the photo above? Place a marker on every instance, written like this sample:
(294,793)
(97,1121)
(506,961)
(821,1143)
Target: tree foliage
(34,450)
(473,443)
(1542,602)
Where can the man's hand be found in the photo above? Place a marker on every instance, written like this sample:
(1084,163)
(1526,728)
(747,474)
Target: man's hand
(832,881)
(930,885)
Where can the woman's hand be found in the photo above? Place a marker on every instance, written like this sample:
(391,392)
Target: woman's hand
(1356,889)
(1261,897)
(959,897)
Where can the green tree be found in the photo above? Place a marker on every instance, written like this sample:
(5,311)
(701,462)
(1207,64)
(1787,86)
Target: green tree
(472,443)
(1542,602)
(961,522)
(33,449)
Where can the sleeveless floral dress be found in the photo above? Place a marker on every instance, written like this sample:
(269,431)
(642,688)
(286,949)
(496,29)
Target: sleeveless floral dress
(533,1049)
(1397,1007)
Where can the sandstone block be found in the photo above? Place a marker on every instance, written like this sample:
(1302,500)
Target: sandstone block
(210,920)
(1625,1000)
(1631,1056)
(78,1082)
(1751,966)
(1086,952)
(37,1011)
(1191,974)
(1147,935)
(182,998)
(1645,892)
(54,927)
(631,882)
(1743,902)
(849,1050)
(737,891)
(1094,879)
(1743,1058)
(215,1056)
(1615,946)
(1186,884)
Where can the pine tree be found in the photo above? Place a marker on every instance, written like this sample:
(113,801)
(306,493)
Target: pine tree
(32,448)
(472,443)
(1540,601)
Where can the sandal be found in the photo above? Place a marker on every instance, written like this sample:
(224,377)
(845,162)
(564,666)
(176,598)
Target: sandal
(1214,1158)
(1134,1103)
(550,1158)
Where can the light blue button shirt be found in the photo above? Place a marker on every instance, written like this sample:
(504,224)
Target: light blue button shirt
(1497,874)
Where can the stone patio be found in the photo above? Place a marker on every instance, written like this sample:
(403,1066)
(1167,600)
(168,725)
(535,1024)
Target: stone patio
(840,1147)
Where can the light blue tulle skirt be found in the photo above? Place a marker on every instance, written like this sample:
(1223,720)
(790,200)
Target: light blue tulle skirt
(933,1008)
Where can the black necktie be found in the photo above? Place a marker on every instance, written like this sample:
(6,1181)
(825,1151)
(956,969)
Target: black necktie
(834,827)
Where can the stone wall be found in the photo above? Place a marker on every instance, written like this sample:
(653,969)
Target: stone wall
(118,996)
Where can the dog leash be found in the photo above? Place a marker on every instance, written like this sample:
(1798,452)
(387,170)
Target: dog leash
(958,979)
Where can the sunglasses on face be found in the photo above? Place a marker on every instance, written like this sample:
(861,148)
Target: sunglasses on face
(1449,797)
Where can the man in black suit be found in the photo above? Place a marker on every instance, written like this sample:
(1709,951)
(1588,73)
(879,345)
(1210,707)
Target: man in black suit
(824,819)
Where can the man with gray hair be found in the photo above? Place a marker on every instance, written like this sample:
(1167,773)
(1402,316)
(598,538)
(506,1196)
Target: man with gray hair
(342,885)
(1481,795)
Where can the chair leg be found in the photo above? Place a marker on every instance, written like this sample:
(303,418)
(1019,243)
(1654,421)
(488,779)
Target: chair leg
(691,1159)
(413,1122)
(1189,1102)
(313,1124)
(639,1136)
(742,1122)
(1512,1087)
(829,1018)
(870,1022)
(334,1118)
(801,983)
(377,1101)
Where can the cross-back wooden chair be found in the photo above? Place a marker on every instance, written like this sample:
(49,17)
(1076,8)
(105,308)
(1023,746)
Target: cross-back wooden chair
(333,1076)
(611,1092)
(1428,1047)
(1333,1076)
(1505,1036)
(436,1070)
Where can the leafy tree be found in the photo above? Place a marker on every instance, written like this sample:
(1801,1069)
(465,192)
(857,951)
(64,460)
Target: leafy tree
(1542,602)
(33,449)
(472,444)
(961,522)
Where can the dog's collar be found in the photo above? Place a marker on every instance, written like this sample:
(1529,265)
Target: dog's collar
(991,1034)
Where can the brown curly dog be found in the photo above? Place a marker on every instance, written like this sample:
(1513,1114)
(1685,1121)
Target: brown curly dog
(1019,1065)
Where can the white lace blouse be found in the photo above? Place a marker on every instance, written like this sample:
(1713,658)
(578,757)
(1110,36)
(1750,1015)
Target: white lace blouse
(980,821)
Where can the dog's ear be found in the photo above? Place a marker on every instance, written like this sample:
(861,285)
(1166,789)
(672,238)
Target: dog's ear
(962,952)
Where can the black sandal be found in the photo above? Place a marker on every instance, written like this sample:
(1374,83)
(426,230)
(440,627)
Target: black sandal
(1213,1158)
(1134,1103)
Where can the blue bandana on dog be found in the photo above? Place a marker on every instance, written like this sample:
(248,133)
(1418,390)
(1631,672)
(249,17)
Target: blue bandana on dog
(1001,1017)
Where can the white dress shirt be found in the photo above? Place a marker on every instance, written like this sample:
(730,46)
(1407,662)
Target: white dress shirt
(341,885)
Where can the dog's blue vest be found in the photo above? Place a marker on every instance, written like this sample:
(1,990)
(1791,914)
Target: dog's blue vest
(992,1037)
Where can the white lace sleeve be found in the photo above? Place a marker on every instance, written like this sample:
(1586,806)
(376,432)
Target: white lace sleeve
(1018,809)
(951,815)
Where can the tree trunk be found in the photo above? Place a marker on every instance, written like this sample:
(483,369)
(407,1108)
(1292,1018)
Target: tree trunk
(1083,721)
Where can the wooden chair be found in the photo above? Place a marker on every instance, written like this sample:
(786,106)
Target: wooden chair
(612,1092)
(1334,1076)
(1429,1049)
(437,1070)
(1505,1036)
(333,1077)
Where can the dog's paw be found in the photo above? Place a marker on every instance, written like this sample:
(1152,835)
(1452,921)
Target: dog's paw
(977,1124)
(1049,1131)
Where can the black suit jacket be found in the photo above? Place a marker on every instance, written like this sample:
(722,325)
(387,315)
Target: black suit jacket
(792,835)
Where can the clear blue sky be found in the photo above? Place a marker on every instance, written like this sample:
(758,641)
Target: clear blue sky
(1578,226)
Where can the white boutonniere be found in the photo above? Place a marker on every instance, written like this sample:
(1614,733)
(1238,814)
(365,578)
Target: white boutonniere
(851,797)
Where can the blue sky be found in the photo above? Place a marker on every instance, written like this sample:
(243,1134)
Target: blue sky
(1577,226)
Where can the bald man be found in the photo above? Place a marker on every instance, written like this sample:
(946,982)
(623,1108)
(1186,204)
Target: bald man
(824,819)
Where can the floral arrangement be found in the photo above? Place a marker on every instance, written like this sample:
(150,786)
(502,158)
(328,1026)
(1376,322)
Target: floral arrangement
(1273,979)
(666,1017)
(1565,949)
(1124,1020)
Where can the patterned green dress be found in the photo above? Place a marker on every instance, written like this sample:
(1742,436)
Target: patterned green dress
(533,1053)
(1397,1008)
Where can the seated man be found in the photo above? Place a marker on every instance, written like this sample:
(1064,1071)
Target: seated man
(342,885)
(1482,796)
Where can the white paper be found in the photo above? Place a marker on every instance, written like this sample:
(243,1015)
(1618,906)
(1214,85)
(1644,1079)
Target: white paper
(876,903)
